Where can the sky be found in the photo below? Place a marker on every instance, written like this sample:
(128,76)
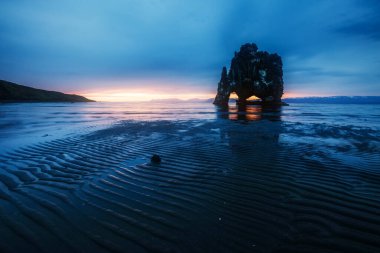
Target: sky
(122,50)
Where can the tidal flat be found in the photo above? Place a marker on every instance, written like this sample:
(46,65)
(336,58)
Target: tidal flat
(78,178)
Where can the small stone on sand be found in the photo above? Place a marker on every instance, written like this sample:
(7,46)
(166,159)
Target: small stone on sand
(155,159)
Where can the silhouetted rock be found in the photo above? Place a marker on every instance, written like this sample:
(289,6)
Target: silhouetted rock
(155,159)
(224,88)
(11,92)
(252,73)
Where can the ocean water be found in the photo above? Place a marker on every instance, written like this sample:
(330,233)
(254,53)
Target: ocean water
(78,178)
(24,124)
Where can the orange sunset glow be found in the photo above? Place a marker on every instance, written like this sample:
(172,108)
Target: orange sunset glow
(135,90)
(136,95)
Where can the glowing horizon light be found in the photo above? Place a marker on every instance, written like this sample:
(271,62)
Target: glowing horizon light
(144,89)
(133,96)
(141,96)
(140,90)
(157,88)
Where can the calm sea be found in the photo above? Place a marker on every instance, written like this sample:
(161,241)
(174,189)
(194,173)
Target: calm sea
(28,123)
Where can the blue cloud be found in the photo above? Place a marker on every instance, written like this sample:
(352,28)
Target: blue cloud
(46,43)
(365,24)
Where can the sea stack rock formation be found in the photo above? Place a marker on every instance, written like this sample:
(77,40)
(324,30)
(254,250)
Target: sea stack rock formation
(252,73)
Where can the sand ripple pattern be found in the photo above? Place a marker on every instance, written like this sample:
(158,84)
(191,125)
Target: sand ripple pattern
(222,187)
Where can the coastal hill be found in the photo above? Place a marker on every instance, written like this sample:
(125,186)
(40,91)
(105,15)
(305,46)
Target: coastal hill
(11,92)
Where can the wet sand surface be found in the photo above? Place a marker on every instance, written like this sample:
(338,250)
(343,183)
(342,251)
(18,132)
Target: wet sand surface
(254,180)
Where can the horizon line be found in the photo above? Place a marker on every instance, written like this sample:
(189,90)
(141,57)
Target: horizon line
(212,98)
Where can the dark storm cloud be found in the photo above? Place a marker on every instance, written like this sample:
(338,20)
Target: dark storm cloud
(367,28)
(63,42)
(366,24)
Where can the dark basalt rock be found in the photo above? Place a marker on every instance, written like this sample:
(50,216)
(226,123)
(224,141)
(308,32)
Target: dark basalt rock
(155,159)
(252,73)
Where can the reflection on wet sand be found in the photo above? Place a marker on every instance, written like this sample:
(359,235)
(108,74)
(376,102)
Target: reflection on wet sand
(250,112)
(259,139)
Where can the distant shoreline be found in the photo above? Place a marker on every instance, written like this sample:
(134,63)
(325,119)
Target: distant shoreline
(335,100)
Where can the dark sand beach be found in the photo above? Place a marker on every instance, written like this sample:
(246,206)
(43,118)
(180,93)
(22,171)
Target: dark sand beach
(304,178)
